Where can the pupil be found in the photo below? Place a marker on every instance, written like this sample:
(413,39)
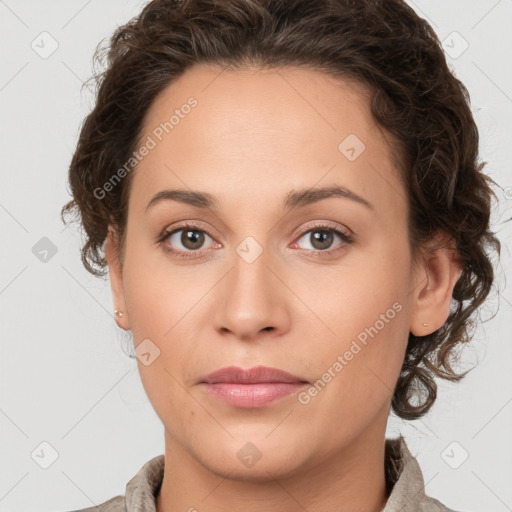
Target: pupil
(323,237)
(192,239)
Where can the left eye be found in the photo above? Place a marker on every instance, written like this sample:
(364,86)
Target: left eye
(322,238)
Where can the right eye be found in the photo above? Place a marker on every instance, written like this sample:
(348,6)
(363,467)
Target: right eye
(190,236)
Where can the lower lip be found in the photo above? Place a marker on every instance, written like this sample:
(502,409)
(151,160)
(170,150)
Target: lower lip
(252,395)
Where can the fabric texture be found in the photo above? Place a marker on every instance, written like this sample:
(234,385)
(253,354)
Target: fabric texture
(404,480)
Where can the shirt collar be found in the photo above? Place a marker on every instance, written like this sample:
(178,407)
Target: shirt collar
(403,477)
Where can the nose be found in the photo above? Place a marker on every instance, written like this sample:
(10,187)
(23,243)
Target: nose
(253,299)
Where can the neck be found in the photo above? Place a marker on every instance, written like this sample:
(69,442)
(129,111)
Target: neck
(349,480)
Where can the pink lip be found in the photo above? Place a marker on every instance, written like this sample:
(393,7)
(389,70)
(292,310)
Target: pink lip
(255,375)
(256,387)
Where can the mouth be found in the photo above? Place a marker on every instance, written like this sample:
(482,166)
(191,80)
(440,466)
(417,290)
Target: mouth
(256,387)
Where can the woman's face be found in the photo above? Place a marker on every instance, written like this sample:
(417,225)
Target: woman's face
(264,278)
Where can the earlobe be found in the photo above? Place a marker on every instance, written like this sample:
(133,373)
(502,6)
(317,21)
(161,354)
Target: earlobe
(440,272)
(116,280)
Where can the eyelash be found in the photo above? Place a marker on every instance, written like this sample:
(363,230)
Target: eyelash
(347,239)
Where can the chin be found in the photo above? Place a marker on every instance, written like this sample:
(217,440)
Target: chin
(262,471)
(255,459)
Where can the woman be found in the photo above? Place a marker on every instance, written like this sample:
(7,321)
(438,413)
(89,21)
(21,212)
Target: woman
(288,199)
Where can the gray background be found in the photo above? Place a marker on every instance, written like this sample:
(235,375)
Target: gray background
(65,378)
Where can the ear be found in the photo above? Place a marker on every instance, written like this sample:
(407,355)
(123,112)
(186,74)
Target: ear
(116,279)
(436,277)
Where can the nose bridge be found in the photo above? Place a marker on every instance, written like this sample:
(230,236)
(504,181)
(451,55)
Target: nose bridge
(253,296)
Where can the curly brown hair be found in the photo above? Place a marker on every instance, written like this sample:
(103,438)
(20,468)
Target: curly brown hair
(382,45)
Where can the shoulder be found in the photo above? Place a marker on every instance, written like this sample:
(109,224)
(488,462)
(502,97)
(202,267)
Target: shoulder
(141,490)
(406,481)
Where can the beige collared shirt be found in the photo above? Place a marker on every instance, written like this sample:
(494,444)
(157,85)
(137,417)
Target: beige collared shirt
(403,477)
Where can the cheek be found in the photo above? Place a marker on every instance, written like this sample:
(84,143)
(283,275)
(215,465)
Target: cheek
(364,307)
(156,295)
(165,306)
(159,307)
(352,295)
(358,369)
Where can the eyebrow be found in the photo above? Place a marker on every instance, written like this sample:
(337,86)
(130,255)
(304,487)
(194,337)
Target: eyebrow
(294,199)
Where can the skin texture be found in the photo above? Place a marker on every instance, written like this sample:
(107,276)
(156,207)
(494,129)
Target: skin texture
(254,136)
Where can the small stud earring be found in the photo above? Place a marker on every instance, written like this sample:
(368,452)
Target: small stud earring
(120,313)
(425,325)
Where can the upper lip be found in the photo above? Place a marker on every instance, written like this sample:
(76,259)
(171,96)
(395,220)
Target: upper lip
(257,374)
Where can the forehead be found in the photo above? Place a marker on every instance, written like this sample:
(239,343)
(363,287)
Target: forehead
(256,127)
(289,101)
